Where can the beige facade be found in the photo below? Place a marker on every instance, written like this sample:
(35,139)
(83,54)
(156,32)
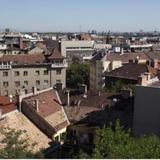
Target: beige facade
(96,80)
(109,63)
(24,78)
(19,79)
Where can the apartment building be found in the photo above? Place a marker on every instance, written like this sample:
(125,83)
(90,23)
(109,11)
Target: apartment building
(20,73)
(80,49)
(106,62)
(97,68)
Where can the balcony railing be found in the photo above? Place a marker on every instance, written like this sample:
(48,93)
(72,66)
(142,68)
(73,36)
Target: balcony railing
(5,66)
(59,65)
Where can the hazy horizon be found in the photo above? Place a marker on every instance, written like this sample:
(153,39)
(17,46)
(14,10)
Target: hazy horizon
(84,15)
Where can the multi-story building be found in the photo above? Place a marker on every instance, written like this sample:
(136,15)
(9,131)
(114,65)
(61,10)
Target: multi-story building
(97,68)
(22,72)
(102,62)
(82,50)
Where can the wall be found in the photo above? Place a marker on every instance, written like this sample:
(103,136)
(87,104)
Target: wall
(65,44)
(96,70)
(146,110)
(31,78)
(41,123)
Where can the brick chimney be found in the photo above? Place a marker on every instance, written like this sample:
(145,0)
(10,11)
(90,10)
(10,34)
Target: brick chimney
(155,63)
(0,113)
(37,105)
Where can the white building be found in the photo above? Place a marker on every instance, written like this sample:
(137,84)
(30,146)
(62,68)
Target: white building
(80,49)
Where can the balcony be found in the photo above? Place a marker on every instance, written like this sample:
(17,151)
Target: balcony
(5,66)
(59,65)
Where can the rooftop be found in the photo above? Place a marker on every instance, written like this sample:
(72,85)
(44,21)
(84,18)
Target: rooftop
(6,106)
(23,59)
(156,84)
(36,58)
(49,108)
(93,102)
(131,71)
(126,57)
(18,121)
(55,54)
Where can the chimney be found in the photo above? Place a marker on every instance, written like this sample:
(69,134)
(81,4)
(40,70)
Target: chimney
(143,79)
(37,105)
(34,90)
(155,63)
(148,75)
(20,96)
(122,51)
(10,98)
(0,113)
(85,89)
(79,103)
(68,97)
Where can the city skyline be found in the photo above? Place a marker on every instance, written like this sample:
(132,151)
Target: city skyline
(67,16)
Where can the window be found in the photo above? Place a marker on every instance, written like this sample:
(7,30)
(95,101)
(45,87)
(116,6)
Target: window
(5,84)
(16,91)
(25,73)
(26,91)
(58,72)
(58,81)
(26,83)
(45,72)
(6,92)
(37,73)
(45,82)
(16,73)
(17,83)
(5,74)
(37,82)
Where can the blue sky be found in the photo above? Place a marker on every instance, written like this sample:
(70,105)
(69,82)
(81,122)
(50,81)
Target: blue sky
(69,15)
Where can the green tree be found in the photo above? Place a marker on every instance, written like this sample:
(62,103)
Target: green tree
(117,143)
(14,145)
(77,74)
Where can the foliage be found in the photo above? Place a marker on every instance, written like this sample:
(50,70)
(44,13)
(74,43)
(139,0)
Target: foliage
(118,85)
(82,155)
(77,74)
(117,143)
(14,145)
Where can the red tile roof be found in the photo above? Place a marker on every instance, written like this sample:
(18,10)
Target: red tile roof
(37,58)
(126,57)
(48,103)
(56,54)
(6,106)
(49,108)
(130,71)
(23,59)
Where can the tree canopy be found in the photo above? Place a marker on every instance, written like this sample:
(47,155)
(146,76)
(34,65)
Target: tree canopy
(77,74)
(14,145)
(117,143)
